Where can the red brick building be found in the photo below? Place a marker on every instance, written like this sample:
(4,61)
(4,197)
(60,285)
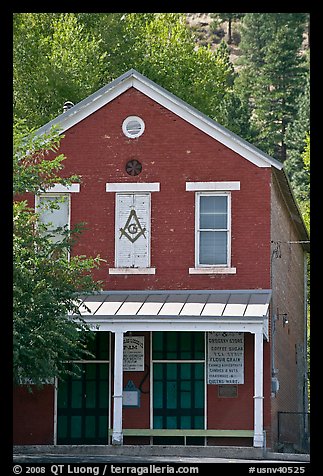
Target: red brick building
(201,327)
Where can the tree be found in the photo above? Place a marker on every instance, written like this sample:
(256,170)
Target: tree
(45,280)
(272,73)
(230,18)
(296,134)
(54,60)
(59,57)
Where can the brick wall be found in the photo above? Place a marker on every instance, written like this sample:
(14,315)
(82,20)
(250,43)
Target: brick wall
(171,152)
(288,297)
(33,416)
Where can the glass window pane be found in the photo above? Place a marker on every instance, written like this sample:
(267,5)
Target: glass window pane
(185,371)
(186,399)
(171,422)
(213,204)
(171,371)
(90,371)
(213,247)
(171,395)
(158,371)
(90,392)
(158,422)
(103,426)
(104,396)
(213,222)
(62,426)
(158,395)
(62,394)
(77,394)
(104,371)
(198,422)
(90,426)
(199,345)
(186,422)
(199,394)
(76,426)
(213,212)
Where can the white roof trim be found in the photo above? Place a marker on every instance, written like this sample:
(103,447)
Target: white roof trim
(134,79)
(133,187)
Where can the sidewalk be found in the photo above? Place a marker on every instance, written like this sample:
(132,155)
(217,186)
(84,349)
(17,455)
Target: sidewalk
(147,451)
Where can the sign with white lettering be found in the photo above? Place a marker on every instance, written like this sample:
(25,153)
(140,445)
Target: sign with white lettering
(225,363)
(133,353)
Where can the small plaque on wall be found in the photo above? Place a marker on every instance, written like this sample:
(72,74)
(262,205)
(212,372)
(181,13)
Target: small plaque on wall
(228,391)
(133,353)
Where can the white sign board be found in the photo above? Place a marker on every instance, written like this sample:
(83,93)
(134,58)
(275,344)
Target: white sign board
(133,353)
(225,363)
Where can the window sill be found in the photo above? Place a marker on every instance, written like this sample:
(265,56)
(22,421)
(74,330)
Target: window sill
(132,271)
(212,270)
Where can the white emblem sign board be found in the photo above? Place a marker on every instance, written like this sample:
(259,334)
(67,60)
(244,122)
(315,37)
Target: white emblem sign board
(225,363)
(133,353)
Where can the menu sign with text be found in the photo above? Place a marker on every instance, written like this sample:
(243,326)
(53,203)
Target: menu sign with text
(225,363)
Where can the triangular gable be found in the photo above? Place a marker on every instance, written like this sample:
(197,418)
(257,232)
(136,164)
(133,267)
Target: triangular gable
(168,100)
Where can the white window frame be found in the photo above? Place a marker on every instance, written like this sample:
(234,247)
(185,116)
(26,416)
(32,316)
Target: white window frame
(126,122)
(54,195)
(224,268)
(129,270)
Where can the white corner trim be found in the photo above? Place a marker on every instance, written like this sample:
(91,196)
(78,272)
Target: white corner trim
(132,270)
(212,270)
(59,188)
(132,187)
(211,186)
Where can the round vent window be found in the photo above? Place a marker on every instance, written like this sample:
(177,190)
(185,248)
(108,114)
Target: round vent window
(133,167)
(133,127)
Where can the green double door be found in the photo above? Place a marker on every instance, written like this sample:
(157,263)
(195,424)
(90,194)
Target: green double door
(178,383)
(83,400)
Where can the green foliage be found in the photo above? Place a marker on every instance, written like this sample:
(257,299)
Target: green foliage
(59,57)
(45,278)
(230,18)
(295,140)
(272,75)
(54,60)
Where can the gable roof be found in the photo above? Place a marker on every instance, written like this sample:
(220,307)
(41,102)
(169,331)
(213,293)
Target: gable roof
(179,107)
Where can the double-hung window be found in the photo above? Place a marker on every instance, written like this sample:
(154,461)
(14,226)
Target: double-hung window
(213,229)
(212,226)
(54,212)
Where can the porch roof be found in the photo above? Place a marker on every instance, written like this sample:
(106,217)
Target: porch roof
(176,304)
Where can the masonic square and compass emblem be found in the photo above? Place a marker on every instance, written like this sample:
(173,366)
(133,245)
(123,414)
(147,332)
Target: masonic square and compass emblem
(132,229)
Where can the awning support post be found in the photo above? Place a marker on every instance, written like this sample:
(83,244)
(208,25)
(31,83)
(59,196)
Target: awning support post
(117,436)
(258,439)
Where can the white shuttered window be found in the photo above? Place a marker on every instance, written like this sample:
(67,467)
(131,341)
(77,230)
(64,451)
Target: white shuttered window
(132,234)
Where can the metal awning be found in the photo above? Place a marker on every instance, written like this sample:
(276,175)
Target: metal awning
(233,304)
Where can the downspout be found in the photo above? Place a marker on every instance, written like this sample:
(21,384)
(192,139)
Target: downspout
(274,255)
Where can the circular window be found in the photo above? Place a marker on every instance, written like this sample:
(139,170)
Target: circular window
(133,127)
(133,167)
